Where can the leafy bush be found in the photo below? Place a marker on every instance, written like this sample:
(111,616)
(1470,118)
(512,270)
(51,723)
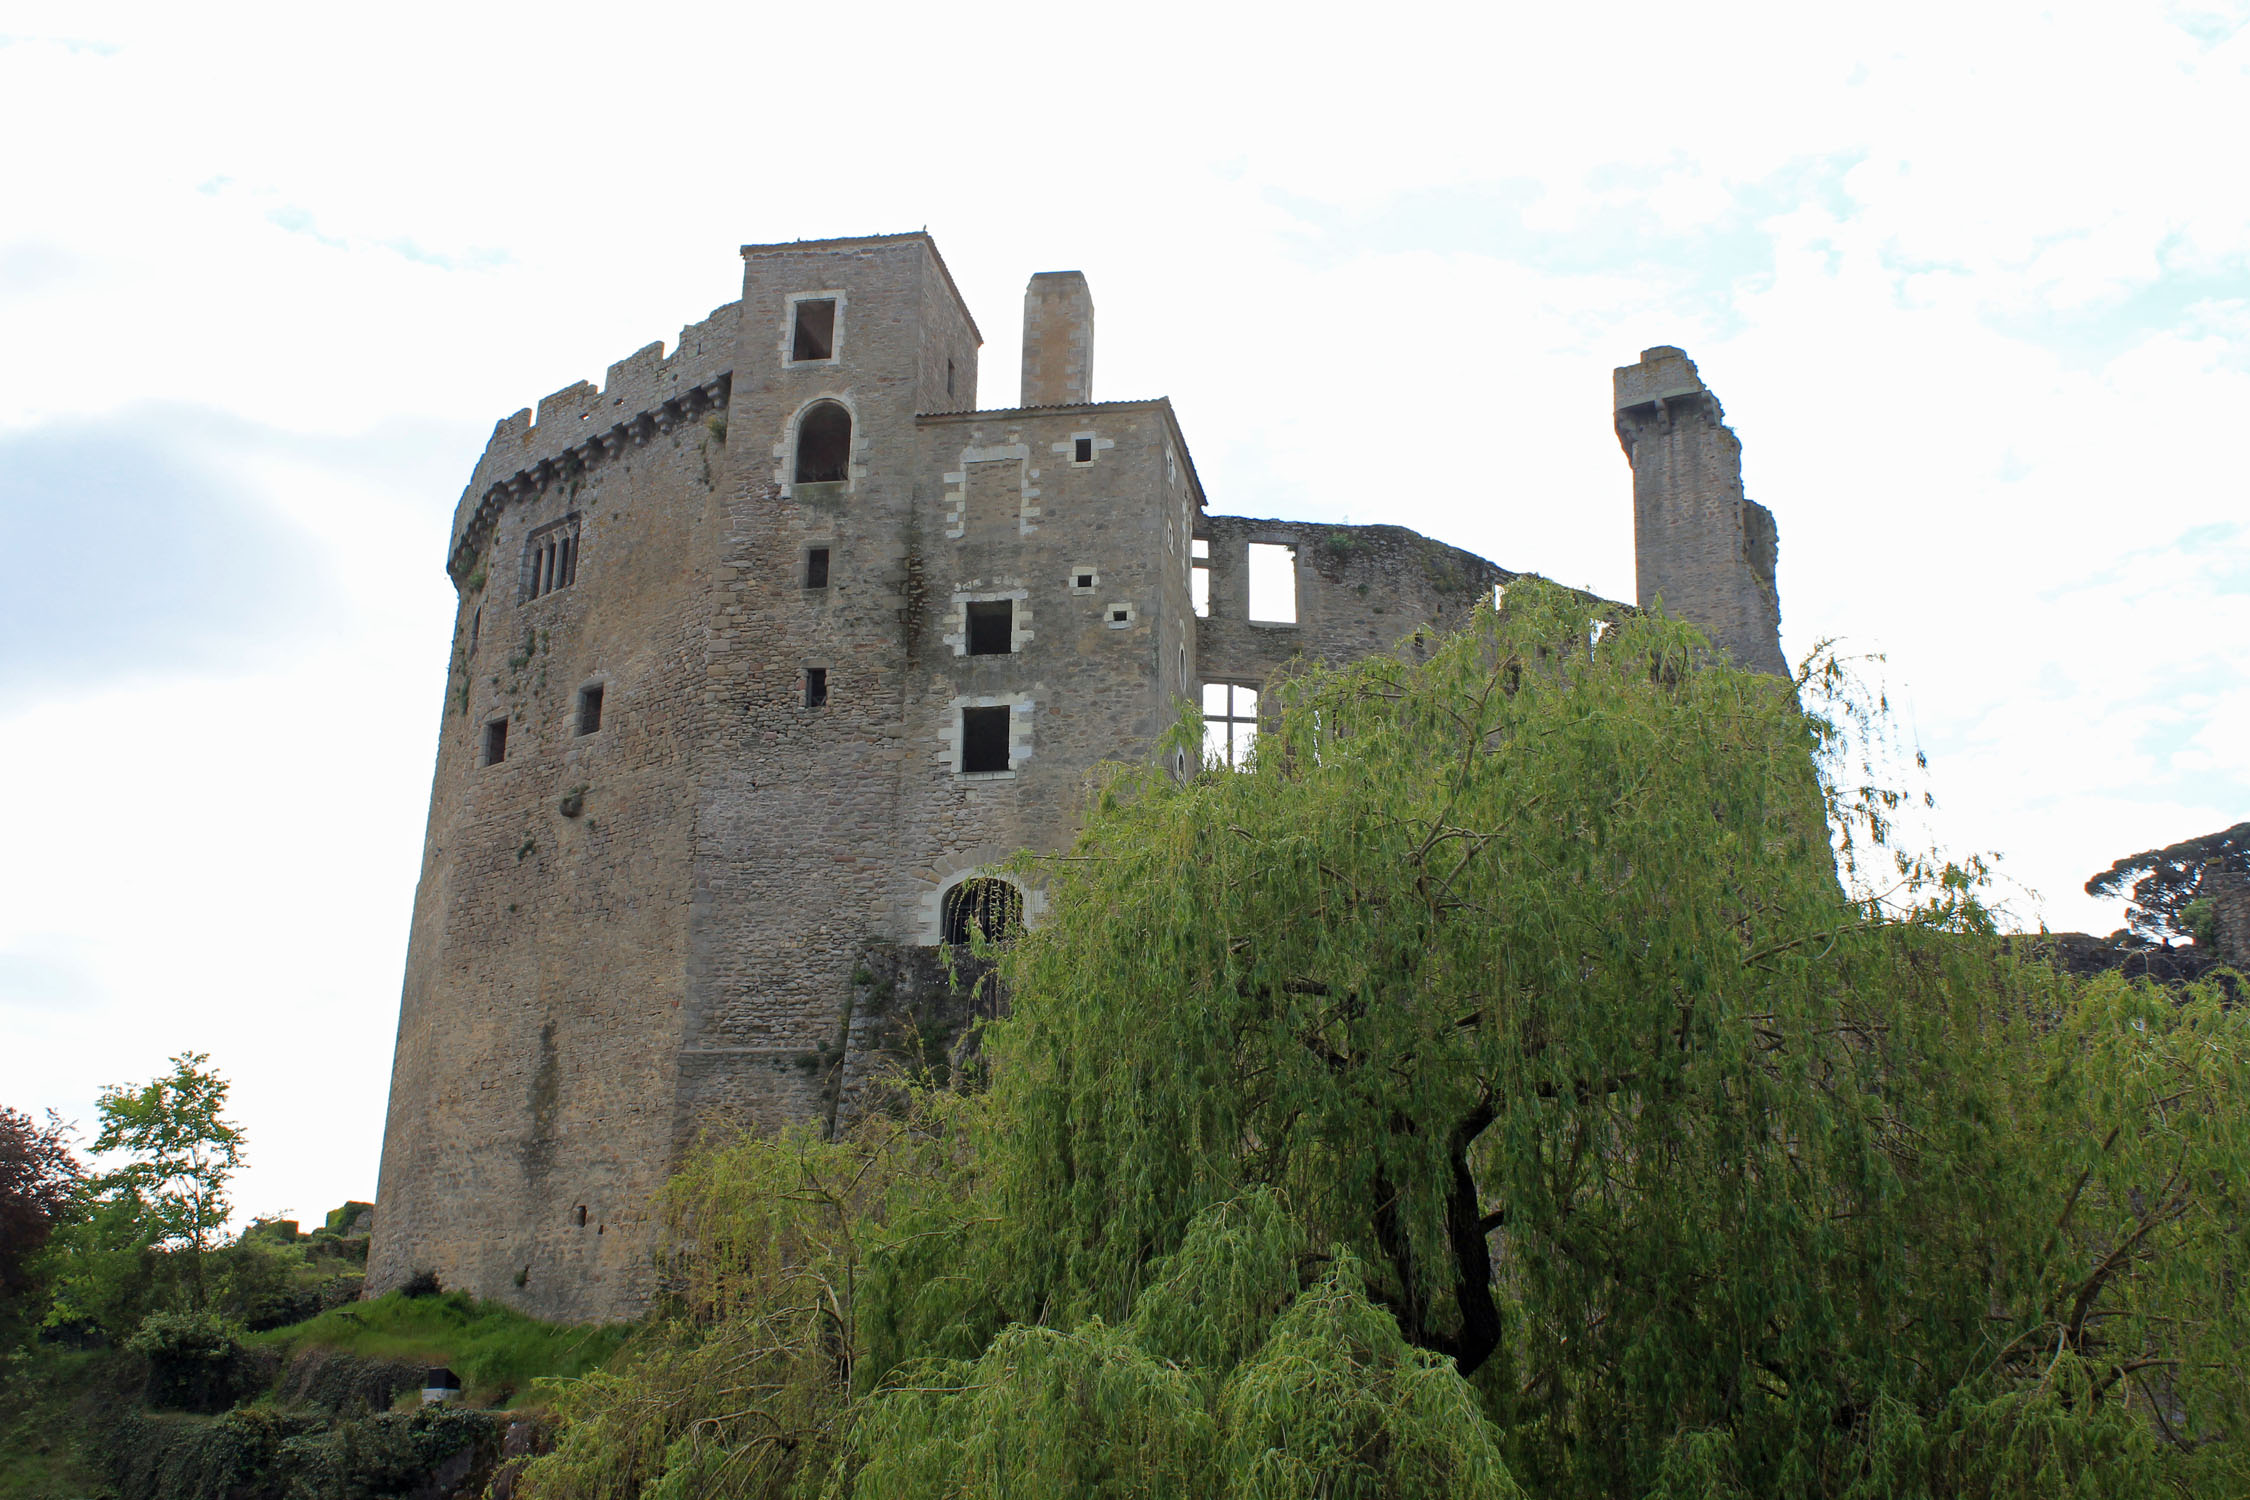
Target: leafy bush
(195,1361)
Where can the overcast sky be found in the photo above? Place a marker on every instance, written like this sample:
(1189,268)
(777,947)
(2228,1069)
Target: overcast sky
(1973,281)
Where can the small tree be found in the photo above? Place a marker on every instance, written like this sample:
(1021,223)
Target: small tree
(2164,883)
(38,1184)
(183,1152)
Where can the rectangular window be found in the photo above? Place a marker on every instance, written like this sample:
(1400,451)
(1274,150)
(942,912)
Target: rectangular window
(816,568)
(984,740)
(1273,583)
(1082,451)
(495,742)
(992,627)
(816,687)
(815,336)
(1230,723)
(590,708)
(949,377)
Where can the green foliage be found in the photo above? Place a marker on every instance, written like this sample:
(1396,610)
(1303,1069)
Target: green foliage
(797,1271)
(1511,1080)
(498,1352)
(1040,1412)
(259,1454)
(182,1154)
(2200,920)
(1335,1404)
(194,1360)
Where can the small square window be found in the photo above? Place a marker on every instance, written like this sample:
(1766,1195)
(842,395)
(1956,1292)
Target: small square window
(1082,451)
(816,568)
(1085,581)
(590,709)
(1120,616)
(495,742)
(984,740)
(816,687)
(815,335)
(992,627)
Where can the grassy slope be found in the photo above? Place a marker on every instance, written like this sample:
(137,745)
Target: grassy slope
(497,1352)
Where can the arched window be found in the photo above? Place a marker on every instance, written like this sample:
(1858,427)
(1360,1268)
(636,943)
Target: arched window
(984,906)
(824,443)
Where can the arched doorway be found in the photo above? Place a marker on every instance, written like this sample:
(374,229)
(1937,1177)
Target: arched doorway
(984,906)
(824,443)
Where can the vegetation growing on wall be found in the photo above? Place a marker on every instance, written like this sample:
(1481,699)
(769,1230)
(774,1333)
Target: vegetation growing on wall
(1490,1089)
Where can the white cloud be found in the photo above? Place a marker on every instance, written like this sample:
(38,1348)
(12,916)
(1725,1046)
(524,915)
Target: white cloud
(1972,282)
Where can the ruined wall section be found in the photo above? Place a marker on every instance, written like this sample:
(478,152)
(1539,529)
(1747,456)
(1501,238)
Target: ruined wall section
(1360,590)
(530,1112)
(1698,544)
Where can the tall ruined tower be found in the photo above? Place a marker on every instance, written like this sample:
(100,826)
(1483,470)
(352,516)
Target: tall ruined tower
(766,652)
(1702,548)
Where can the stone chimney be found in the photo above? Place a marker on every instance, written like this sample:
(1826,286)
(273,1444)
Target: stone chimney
(1697,543)
(1058,340)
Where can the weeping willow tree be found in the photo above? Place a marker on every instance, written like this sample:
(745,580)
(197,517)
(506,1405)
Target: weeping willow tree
(1492,1088)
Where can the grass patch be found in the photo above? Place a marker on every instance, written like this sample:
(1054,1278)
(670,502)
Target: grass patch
(52,1402)
(497,1351)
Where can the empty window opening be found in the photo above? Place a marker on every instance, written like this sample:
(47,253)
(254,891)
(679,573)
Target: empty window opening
(824,443)
(590,708)
(816,687)
(984,907)
(581,1216)
(550,558)
(816,568)
(949,377)
(1082,451)
(984,740)
(815,337)
(1273,583)
(1230,723)
(495,742)
(1199,589)
(1120,614)
(992,627)
(1083,581)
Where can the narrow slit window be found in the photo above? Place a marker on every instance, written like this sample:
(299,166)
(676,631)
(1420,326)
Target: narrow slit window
(816,687)
(815,336)
(1082,451)
(590,708)
(495,742)
(1230,723)
(476,628)
(984,740)
(992,627)
(816,568)
(949,377)
(1273,583)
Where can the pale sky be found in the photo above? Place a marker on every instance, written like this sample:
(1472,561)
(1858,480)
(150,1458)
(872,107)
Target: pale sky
(1973,281)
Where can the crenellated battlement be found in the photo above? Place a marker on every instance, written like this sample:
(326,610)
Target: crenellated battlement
(579,426)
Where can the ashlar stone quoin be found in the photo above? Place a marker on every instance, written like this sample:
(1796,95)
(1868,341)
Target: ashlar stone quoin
(771,645)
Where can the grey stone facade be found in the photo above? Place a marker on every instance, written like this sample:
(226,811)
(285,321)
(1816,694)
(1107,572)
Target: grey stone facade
(734,632)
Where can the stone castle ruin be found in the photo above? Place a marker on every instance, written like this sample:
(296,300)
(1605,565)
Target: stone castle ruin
(768,649)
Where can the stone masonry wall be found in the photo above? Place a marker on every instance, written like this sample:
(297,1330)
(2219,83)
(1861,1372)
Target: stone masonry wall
(1708,552)
(1360,589)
